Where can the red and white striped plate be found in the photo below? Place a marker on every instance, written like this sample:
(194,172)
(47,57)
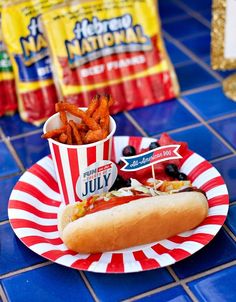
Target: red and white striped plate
(35,201)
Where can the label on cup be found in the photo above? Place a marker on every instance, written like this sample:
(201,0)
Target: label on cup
(96,179)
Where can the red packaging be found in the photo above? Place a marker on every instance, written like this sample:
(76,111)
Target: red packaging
(110,47)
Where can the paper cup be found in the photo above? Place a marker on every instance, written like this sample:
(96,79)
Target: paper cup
(71,161)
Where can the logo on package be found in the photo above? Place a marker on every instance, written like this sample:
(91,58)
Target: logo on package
(34,63)
(34,45)
(97,38)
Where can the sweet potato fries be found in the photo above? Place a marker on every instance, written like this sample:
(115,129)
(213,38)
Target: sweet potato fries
(94,124)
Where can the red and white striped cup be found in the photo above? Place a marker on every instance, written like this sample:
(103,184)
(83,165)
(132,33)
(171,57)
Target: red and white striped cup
(71,160)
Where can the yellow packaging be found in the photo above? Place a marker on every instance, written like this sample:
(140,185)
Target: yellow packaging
(8,101)
(113,47)
(27,47)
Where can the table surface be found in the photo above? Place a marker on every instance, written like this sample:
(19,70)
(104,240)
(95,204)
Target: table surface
(203,117)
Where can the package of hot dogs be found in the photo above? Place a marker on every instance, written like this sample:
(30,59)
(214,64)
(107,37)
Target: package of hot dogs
(112,47)
(28,51)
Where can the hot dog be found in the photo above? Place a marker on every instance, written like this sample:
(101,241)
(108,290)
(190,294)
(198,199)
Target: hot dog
(117,222)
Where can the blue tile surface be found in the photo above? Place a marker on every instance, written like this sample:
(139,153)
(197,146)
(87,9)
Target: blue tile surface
(50,283)
(193,76)
(124,126)
(163,117)
(186,33)
(195,138)
(169,10)
(231,218)
(206,14)
(31,148)
(122,286)
(216,287)
(8,164)
(227,168)
(6,186)
(175,294)
(16,255)
(13,125)
(179,30)
(227,129)
(212,255)
(176,55)
(199,45)
(211,103)
(198,5)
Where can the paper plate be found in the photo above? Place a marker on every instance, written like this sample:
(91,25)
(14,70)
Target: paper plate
(35,201)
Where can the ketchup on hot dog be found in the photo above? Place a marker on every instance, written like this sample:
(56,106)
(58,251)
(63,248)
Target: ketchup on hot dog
(114,201)
(92,206)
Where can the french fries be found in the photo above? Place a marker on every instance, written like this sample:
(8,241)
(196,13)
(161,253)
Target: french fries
(94,125)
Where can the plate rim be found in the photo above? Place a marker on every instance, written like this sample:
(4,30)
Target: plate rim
(218,226)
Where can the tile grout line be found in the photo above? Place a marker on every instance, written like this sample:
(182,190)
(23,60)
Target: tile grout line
(220,118)
(174,19)
(186,105)
(183,128)
(195,58)
(230,233)
(188,36)
(216,160)
(87,283)
(10,175)
(184,63)
(4,222)
(172,273)
(193,13)
(210,271)
(183,281)
(12,151)
(3,294)
(183,284)
(189,292)
(22,135)
(151,292)
(200,89)
(26,269)
(134,123)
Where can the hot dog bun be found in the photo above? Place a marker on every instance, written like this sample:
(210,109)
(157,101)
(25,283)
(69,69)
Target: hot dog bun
(138,222)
